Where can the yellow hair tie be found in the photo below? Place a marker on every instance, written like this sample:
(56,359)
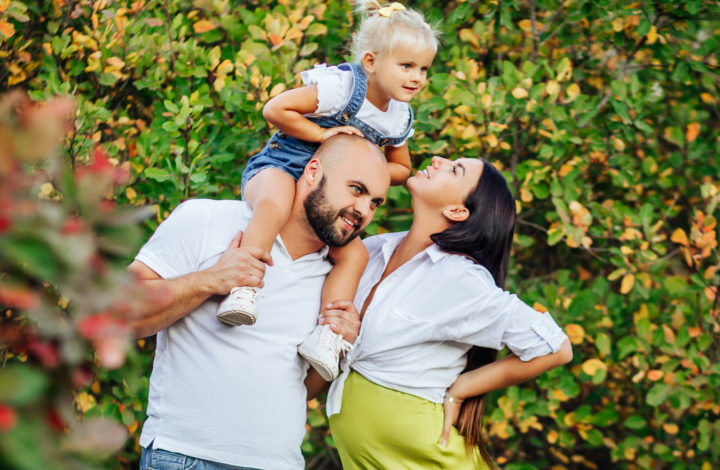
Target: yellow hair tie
(387,11)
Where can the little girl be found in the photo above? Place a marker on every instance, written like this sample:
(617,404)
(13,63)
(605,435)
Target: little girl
(393,49)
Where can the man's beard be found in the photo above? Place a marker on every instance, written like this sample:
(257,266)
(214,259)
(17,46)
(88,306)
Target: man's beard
(322,216)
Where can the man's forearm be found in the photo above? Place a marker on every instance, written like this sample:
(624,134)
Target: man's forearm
(170,300)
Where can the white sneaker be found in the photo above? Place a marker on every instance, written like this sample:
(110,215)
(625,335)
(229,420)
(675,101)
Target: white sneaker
(238,308)
(322,350)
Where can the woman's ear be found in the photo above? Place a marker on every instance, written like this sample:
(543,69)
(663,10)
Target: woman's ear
(456,213)
(368,62)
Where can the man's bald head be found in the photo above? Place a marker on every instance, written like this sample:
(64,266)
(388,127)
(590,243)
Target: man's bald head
(343,147)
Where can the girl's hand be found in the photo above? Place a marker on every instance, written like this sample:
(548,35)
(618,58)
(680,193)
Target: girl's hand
(331,131)
(451,407)
(343,318)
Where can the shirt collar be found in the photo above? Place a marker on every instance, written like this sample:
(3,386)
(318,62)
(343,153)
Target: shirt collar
(434,252)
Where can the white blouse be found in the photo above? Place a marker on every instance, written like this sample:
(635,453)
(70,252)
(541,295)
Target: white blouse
(334,91)
(425,316)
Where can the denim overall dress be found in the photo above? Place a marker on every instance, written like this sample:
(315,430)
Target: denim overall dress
(291,155)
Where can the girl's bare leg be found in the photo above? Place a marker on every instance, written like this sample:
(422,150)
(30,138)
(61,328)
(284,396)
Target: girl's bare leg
(270,194)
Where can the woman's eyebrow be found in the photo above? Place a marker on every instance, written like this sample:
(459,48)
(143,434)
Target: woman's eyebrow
(462,167)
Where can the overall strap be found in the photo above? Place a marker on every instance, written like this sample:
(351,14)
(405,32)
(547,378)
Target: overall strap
(358,93)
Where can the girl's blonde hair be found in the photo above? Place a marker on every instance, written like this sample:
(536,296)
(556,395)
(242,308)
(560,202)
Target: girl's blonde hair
(379,34)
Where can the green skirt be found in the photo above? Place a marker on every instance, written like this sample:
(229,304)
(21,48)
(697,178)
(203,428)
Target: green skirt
(380,428)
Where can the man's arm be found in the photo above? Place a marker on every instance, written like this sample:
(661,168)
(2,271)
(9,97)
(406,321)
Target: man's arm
(179,296)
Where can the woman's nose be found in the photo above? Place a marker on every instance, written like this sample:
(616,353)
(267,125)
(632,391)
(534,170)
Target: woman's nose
(437,161)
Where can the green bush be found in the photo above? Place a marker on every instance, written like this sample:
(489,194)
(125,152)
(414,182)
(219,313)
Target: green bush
(603,116)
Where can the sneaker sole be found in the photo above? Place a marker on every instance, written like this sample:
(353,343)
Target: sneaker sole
(324,372)
(236,318)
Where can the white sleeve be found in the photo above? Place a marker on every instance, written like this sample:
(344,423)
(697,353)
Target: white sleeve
(530,334)
(334,88)
(175,249)
(497,318)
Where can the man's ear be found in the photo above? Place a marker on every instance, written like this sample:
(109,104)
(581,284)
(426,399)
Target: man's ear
(456,213)
(313,172)
(368,62)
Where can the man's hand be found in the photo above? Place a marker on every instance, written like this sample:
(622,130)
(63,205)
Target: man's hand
(239,267)
(326,133)
(343,319)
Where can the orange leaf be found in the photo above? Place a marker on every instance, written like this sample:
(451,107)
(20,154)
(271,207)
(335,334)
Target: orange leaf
(7,29)
(671,428)
(203,26)
(575,332)
(655,375)
(680,237)
(693,129)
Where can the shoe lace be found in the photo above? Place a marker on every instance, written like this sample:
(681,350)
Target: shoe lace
(331,340)
(247,293)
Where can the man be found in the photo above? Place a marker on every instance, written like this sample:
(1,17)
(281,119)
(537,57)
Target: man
(234,397)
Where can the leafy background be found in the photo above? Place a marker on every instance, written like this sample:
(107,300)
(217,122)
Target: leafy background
(603,116)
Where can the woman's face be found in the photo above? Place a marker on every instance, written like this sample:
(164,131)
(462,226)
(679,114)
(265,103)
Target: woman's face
(445,182)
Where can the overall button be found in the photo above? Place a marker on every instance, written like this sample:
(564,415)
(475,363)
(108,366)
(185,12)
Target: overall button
(383,142)
(346,117)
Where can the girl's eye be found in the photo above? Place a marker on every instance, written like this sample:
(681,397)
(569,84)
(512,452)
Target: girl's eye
(405,66)
(356,189)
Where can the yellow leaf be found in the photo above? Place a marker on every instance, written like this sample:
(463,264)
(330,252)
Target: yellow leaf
(575,332)
(525,195)
(552,436)
(3,5)
(671,428)
(7,29)
(225,67)
(552,88)
(708,98)
(116,62)
(84,401)
(525,25)
(540,307)
(491,140)
(591,366)
(486,100)
(627,282)
(564,70)
(219,83)
(573,91)
(560,395)
(626,250)
(652,35)
(520,93)
(693,130)
(680,237)
(277,89)
(130,193)
(505,146)
(482,86)
(203,26)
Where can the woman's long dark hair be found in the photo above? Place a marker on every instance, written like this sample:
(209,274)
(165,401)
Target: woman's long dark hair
(486,237)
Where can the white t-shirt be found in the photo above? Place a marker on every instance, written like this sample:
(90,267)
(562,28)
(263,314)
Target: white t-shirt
(233,395)
(334,92)
(426,315)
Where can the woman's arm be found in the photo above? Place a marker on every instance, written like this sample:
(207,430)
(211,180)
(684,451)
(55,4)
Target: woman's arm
(398,163)
(286,110)
(499,374)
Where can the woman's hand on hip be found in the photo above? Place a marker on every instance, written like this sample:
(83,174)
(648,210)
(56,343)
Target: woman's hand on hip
(451,408)
(343,318)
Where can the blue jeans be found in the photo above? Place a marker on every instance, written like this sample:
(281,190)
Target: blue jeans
(158,459)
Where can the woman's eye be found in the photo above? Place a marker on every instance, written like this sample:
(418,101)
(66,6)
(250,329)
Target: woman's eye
(454,170)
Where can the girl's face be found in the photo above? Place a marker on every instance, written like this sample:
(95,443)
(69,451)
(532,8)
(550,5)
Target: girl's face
(398,75)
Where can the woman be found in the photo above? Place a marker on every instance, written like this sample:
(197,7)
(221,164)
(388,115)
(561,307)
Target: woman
(433,310)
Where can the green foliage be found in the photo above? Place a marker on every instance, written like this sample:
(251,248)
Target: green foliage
(602,115)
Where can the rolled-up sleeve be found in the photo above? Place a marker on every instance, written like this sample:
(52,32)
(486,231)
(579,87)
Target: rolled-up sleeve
(334,87)
(530,334)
